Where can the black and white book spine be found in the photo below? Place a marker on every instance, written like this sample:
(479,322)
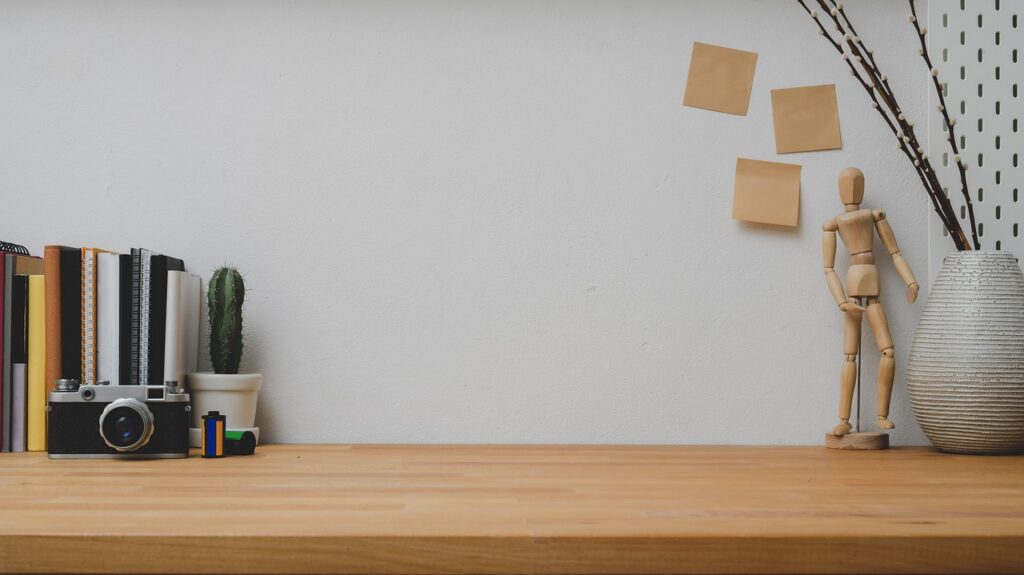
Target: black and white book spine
(135,319)
(145,306)
(88,316)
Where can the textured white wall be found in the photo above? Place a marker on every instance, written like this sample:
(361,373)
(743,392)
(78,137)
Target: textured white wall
(467,221)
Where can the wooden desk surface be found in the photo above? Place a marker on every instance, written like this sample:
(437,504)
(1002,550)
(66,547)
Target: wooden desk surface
(516,509)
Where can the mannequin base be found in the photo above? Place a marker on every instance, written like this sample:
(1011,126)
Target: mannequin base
(858,441)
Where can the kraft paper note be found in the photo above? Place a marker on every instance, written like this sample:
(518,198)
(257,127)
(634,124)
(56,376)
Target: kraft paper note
(806,119)
(720,79)
(766,192)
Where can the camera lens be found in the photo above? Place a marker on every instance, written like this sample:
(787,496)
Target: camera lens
(126,424)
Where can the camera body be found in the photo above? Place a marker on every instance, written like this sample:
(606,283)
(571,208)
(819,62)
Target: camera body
(125,421)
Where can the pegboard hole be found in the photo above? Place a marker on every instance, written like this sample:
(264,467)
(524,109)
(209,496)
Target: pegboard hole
(981,195)
(980,55)
(963,38)
(981,229)
(945,20)
(998,107)
(998,72)
(999,212)
(963,73)
(1015,193)
(981,125)
(980,25)
(999,142)
(997,38)
(945,54)
(981,90)
(999,177)
(981,160)
(1015,229)
(945,159)
(999,245)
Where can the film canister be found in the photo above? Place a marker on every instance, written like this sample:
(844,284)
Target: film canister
(239,442)
(214,426)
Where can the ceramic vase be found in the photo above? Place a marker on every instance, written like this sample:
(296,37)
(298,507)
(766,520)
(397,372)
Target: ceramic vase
(234,395)
(965,375)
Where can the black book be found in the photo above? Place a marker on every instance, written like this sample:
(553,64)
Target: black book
(19,319)
(124,342)
(71,314)
(159,266)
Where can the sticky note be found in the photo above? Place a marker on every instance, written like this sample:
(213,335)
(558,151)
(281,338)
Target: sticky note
(766,192)
(806,119)
(720,79)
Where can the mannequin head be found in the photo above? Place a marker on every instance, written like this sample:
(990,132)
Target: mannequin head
(851,187)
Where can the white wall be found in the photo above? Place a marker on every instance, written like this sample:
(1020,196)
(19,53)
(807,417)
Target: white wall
(467,221)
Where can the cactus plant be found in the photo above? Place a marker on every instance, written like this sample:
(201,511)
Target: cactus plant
(225,298)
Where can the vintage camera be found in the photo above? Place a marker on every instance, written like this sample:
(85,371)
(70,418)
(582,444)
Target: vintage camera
(126,421)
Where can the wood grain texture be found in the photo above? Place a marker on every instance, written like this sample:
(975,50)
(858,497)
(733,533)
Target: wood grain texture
(517,509)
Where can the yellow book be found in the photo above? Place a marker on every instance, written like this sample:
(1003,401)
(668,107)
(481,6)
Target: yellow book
(36,364)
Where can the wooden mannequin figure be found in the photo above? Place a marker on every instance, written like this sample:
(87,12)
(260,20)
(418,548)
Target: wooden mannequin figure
(856,227)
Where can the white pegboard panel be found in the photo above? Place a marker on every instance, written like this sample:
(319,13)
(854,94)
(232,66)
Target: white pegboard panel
(977,46)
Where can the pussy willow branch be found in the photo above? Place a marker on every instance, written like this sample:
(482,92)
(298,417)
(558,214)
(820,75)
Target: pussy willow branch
(855,53)
(950,134)
(905,143)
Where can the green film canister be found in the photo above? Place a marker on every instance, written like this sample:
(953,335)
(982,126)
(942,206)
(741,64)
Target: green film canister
(239,442)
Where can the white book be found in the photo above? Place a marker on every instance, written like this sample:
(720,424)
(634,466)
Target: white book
(108,326)
(193,316)
(181,342)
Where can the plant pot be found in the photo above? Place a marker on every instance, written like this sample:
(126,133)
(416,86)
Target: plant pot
(965,376)
(233,395)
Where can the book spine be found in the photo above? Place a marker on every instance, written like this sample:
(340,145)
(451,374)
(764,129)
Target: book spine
(135,320)
(5,399)
(193,305)
(144,316)
(18,407)
(124,327)
(108,324)
(174,349)
(51,270)
(71,313)
(37,364)
(19,358)
(88,310)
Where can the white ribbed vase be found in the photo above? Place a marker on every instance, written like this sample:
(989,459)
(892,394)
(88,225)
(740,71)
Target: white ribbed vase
(965,375)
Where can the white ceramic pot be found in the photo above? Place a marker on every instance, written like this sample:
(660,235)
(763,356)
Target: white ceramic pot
(965,376)
(232,394)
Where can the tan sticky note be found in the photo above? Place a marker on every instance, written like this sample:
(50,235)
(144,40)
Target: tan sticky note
(720,79)
(766,192)
(806,119)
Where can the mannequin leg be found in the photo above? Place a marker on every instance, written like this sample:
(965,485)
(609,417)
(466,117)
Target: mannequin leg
(886,365)
(848,374)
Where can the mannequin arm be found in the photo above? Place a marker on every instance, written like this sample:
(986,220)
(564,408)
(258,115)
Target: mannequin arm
(889,240)
(828,247)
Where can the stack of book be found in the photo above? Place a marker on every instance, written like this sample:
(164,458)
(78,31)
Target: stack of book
(92,315)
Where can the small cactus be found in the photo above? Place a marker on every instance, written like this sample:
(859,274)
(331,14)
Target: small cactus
(225,298)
